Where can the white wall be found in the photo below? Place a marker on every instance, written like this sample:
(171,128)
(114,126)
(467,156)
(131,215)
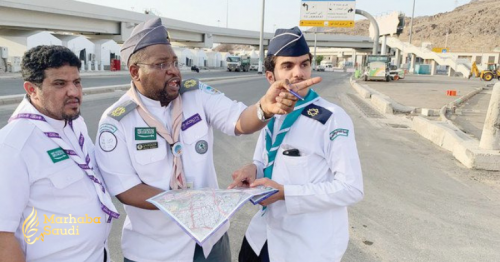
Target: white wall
(103,50)
(200,57)
(77,43)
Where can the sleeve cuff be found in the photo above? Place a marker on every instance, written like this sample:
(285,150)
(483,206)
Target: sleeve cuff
(8,225)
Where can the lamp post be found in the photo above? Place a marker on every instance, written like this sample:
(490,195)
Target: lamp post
(411,21)
(261,42)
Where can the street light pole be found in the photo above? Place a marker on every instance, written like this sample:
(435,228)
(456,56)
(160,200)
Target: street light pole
(261,42)
(227,13)
(314,57)
(411,21)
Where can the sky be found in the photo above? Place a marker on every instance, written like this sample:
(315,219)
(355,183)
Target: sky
(246,14)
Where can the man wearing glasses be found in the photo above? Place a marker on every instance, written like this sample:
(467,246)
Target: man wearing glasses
(158,136)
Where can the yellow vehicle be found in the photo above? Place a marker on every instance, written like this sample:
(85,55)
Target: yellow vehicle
(493,71)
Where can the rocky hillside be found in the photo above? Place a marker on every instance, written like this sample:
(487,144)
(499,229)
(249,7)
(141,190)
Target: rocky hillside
(473,27)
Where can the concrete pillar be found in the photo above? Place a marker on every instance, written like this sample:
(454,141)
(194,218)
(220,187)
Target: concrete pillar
(433,67)
(490,139)
(398,56)
(96,66)
(451,72)
(82,68)
(102,66)
(89,66)
(384,45)
(412,63)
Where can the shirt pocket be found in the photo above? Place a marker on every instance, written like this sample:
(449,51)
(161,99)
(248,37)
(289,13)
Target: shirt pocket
(196,142)
(70,187)
(144,155)
(295,168)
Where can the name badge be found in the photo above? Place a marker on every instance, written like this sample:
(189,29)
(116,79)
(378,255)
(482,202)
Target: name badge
(145,133)
(191,121)
(146,146)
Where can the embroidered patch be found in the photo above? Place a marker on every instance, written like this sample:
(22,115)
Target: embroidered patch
(208,89)
(146,146)
(190,122)
(338,132)
(201,147)
(317,113)
(145,133)
(118,111)
(107,127)
(107,141)
(190,83)
(122,110)
(57,155)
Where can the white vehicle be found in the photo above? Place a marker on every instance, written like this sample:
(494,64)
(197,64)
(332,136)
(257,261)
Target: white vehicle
(254,67)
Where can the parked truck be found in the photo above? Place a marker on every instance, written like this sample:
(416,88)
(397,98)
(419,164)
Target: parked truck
(377,68)
(238,63)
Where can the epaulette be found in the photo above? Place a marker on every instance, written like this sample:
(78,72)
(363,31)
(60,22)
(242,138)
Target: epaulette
(189,85)
(195,84)
(122,110)
(316,112)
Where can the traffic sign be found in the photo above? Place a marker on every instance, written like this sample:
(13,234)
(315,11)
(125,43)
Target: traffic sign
(327,13)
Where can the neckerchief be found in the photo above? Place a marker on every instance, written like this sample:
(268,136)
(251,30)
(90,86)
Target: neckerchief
(273,146)
(178,180)
(41,123)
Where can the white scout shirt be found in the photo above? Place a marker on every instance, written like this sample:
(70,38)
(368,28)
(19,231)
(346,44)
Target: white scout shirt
(65,200)
(311,223)
(150,235)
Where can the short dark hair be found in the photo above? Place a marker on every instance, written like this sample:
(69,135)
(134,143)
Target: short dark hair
(270,62)
(43,57)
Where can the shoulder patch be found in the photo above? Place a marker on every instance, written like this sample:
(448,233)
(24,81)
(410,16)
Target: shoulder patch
(189,85)
(316,112)
(122,110)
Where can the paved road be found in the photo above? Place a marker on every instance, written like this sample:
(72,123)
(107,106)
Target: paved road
(420,204)
(13,86)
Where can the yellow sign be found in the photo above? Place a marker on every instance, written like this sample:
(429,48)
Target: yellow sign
(324,23)
(31,223)
(440,50)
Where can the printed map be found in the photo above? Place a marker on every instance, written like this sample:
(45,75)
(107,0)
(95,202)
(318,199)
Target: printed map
(200,212)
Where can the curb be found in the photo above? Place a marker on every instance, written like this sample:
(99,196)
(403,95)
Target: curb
(13,99)
(464,148)
(382,103)
(442,133)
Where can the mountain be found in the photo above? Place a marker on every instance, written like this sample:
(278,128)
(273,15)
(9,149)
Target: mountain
(473,27)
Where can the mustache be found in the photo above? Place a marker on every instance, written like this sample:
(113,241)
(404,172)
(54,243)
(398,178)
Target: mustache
(71,100)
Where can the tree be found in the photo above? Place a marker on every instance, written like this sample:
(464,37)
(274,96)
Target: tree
(319,58)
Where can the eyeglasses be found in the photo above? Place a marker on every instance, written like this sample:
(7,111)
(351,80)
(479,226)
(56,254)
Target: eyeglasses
(163,66)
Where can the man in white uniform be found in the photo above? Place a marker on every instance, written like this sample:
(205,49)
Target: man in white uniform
(54,205)
(159,136)
(310,155)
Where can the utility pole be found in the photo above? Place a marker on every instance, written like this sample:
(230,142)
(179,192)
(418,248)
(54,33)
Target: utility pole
(261,42)
(411,21)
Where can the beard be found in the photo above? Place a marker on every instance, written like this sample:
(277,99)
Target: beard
(165,98)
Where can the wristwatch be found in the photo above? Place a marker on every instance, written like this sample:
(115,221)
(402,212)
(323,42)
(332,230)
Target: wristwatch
(260,114)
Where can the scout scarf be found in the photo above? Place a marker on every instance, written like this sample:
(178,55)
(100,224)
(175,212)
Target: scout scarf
(41,123)
(273,146)
(178,180)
